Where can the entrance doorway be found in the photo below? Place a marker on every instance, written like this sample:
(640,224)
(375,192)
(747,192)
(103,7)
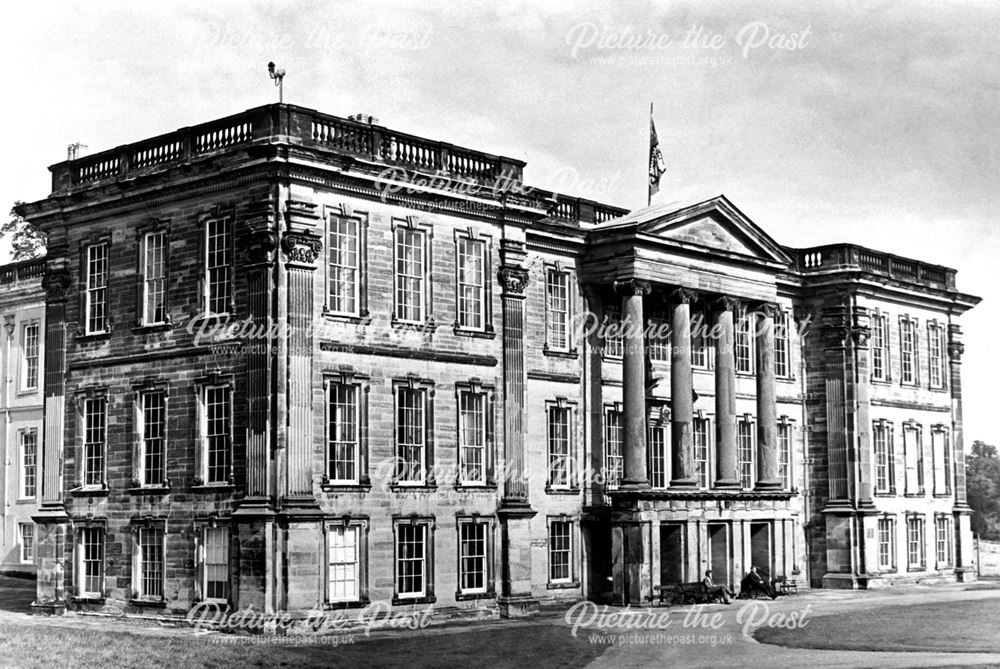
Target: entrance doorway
(760,548)
(718,554)
(671,553)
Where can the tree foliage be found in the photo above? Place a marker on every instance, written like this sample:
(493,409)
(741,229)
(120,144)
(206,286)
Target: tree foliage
(25,240)
(983,488)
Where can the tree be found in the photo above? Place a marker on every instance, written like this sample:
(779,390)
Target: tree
(982,485)
(25,240)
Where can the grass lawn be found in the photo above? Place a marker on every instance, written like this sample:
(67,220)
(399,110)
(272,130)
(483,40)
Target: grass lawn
(972,626)
(26,646)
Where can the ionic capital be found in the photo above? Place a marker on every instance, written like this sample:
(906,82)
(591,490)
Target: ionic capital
(632,287)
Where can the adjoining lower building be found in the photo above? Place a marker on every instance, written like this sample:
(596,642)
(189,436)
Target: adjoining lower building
(298,362)
(22,353)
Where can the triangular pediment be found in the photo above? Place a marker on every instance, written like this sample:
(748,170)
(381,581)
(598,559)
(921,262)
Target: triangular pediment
(715,226)
(707,231)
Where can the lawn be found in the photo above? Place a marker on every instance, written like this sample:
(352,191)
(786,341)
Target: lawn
(989,557)
(523,645)
(970,626)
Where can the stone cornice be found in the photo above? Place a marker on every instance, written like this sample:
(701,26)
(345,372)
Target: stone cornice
(409,353)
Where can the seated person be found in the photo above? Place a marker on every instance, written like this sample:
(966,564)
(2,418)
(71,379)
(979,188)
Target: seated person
(716,590)
(754,582)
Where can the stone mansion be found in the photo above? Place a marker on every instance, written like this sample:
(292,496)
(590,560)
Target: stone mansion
(298,361)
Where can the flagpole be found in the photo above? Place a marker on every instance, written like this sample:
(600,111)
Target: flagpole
(649,188)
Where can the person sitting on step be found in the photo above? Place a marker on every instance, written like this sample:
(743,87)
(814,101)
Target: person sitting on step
(754,583)
(716,590)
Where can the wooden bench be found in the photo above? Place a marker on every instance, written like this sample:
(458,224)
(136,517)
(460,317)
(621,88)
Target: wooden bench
(787,586)
(685,593)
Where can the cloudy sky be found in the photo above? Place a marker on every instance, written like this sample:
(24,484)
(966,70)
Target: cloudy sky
(869,122)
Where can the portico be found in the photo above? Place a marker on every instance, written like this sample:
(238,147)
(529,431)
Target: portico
(723,518)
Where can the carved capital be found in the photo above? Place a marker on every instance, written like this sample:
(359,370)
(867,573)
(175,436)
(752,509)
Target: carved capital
(260,245)
(727,303)
(8,323)
(513,279)
(683,296)
(55,282)
(769,310)
(632,287)
(955,351)
(300,247)
(861,335)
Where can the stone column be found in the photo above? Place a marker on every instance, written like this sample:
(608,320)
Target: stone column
(859,410)
(301,250)
(513,280)
(515,512)
(962,512)
(681,392)
(260,247)
(727,474)
(51,519)
(768,477)
(634,384)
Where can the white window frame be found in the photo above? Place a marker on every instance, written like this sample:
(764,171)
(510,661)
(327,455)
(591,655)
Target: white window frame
(406,471)
(658,441)
(22,488)
(142,414)
(782,345)
(426,527)
(886,535)
(558,309)
(935,355)
(746,467)
(881,348)
(909,352)
(31,356)
(151,537)
(224,268)
(89,477)
(205,437)
(81,577)
(614,340)
(482,431)
(95,288)
(916,542)
(701,352)
(614,463)
(913,458)
(339,269)
(786,437)
(339,567)
(484,558)
(658,341)
(154,277)
(207,552)
(943,539)
(883,447)
(341,434)
(743,342)
(419,312)
(470,290)
(701,443)
(941,454)
(566,546)
(554,446)
(26,549)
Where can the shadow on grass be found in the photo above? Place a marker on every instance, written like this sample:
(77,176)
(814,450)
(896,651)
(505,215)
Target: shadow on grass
(522,645)
(957,627)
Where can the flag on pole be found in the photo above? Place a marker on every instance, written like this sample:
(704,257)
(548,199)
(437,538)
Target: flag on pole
(656,164)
